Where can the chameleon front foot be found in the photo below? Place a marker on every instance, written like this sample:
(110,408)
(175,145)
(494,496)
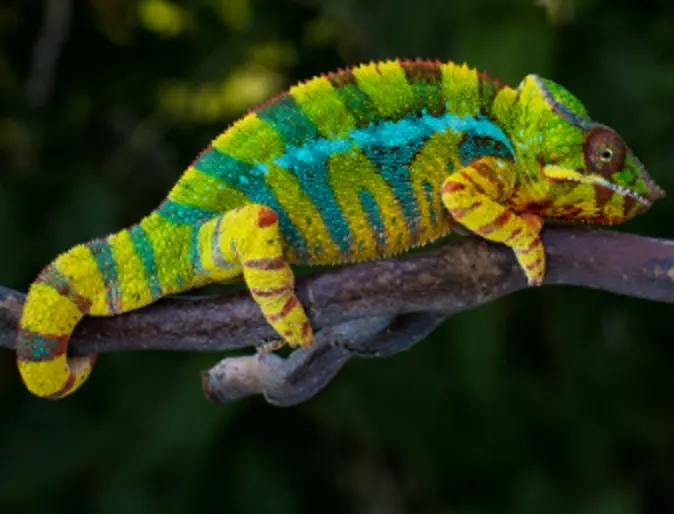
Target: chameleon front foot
(269,346)
(475,197)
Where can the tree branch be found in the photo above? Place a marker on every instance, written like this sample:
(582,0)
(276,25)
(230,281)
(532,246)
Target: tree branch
(370,309)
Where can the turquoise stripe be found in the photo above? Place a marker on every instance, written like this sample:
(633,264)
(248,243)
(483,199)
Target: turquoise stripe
(249,179)
(195,252)
(373,215)
(428,192)
(475,146)
(143,247)
(100,249)
(288,120)
(184,214)
(391,145)
(309,163)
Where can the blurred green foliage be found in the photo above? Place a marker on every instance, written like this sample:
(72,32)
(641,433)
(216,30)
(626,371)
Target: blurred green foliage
(557,400)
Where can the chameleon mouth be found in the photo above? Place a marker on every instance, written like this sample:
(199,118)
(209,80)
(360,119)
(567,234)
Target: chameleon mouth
(645,201)
(556,174)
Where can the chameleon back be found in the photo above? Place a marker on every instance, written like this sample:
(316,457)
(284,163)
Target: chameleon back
(352,162)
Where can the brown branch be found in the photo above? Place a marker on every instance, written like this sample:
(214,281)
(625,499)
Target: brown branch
(365,307)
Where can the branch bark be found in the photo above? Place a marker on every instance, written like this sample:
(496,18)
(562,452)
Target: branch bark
(368,309)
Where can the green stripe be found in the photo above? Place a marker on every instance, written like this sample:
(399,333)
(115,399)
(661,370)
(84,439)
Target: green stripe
(184,214)
(288,120)
(145,252)
(100,249)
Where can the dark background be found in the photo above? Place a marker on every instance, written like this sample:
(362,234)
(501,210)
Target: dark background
(558,400)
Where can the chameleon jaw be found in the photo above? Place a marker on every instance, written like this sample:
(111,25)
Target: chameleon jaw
(557,174)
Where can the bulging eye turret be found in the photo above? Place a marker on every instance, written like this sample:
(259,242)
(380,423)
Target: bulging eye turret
(604,151)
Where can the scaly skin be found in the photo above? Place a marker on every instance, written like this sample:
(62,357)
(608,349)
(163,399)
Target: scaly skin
(358,164)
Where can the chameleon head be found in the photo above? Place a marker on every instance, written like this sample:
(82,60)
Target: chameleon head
(584,167)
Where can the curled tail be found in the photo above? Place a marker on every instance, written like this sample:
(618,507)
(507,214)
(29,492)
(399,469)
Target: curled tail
(54,305)
(116,274)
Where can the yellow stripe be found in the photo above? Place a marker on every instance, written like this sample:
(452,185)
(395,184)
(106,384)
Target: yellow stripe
(171,245)
(205,239)
(583,197)
(79,264)
(615,207)
(320,102)
(386,85)
(502,106)
(45,378)
(302,211)
(133,281)
(199,189)
(460,88)
(352,172)
(432,164)
(205,242)
(53,314)
(249,139)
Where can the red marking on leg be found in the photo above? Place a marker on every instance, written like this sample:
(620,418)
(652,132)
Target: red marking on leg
(450,187)
(458,213)
(495,224)
(533,220)
(532,266)
(266,217)
(468,178)
(288,333)
(532,246)
(514,234)
(269,263)
(306,329)
(289,306)
(272,291)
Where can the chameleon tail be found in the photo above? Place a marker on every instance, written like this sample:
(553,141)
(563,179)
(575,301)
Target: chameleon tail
(53,307)
(112,275)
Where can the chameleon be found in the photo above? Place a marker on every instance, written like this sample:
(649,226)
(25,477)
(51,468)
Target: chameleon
(361,163)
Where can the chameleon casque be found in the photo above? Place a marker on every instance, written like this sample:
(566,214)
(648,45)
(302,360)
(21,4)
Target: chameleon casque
(359,164)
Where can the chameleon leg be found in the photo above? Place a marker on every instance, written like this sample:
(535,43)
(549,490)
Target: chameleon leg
(473,196)
(247,240)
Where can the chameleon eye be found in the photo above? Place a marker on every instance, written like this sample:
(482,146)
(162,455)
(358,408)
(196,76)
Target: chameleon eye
(604,151)
(606,154)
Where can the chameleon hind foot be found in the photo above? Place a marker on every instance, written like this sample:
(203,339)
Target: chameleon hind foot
(474,196)
(247,240)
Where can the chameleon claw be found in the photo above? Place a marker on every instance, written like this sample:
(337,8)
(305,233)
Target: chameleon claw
(270,346)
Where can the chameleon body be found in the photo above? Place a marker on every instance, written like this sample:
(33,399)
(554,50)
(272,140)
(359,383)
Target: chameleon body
(359,164)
